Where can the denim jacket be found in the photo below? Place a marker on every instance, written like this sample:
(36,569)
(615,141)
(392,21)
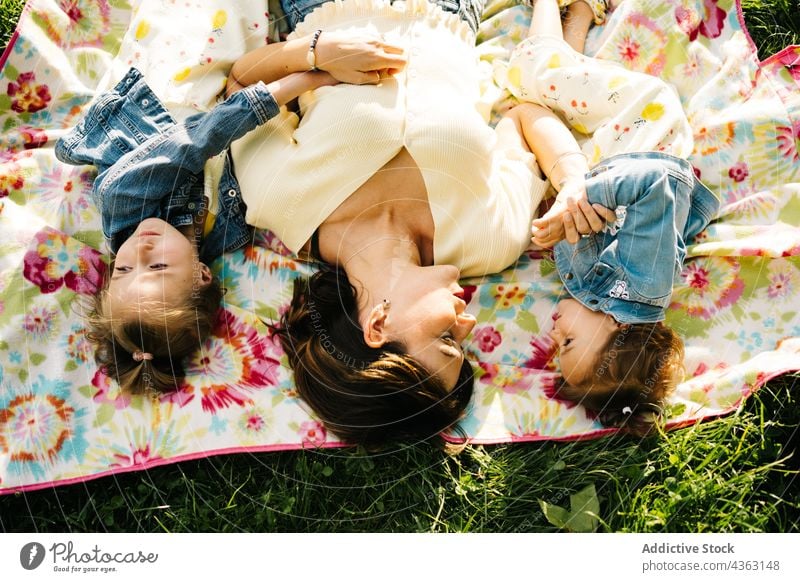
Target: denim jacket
(628,269)
(469,10)
(149,166)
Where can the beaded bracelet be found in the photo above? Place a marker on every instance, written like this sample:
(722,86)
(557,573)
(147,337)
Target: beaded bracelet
(311,57)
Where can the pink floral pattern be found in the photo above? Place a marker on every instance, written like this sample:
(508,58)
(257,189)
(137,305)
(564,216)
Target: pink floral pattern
(87,23)
(543,352)
(739,172)
(788,138)
(487,338)
(252,424)
(138,456)
(710,285)
(710,25)
(77,346)
(38,324)
(108,392)
(33,137)
(312,433)
(640,46)
(66,195)
(55,260)
(236,361)
(780,285)
(11,176)
(26,95)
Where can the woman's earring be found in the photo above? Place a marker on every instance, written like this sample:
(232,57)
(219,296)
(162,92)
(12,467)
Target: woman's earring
(386,304)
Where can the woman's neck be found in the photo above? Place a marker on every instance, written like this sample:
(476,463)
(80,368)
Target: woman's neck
(391,204)
(374,252)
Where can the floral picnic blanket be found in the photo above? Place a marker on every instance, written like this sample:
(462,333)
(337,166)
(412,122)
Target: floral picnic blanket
(62,420)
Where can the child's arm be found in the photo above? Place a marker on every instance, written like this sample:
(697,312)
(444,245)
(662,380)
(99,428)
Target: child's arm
(173,160)
(349,59)
(562,161)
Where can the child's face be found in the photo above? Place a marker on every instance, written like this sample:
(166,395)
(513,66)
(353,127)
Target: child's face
(580,334)
(156,264)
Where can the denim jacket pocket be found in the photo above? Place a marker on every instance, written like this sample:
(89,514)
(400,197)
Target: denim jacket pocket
(599,275)
(654,288)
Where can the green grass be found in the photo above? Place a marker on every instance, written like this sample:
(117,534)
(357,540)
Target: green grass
(736,474)
(740,473)
(9,14)
(773,24)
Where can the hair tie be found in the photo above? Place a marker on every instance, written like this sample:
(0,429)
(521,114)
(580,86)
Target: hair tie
(627,411)
(140,356)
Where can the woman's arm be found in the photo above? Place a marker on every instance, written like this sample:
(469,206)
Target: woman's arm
(562,161)
(359,60)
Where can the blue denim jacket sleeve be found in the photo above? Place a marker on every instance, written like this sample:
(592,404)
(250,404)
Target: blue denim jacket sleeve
(174,158)
(148,165)
(628,270)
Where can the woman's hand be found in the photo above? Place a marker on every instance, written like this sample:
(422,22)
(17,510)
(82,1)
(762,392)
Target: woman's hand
(359,60)
(571,217)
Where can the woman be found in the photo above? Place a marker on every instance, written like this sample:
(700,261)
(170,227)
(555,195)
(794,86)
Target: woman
(399,189)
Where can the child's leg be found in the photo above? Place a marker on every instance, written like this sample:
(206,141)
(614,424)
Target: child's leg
(618,110)
(577,22)
(546,19)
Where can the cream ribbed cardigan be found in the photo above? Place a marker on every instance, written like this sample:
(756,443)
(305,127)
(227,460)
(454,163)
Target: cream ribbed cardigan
(483,189)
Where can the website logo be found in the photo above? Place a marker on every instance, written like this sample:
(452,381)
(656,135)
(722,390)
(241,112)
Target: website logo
(31,555)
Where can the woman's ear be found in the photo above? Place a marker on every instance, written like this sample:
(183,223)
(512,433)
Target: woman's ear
(205,274)
(375,328)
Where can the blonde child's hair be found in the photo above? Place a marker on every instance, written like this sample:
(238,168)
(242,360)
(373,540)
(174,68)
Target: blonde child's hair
(636,370)
(144,353)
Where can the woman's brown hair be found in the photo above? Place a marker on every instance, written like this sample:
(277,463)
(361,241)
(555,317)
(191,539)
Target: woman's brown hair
(636,370)
(364,395)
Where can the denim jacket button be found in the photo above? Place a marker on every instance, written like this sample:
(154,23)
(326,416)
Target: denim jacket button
(593,302)
(145,102)
(190,205)
(598,270)
(231,192)
(568,276)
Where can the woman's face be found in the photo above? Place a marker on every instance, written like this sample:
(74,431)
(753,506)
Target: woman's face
(156,264)
(427,314)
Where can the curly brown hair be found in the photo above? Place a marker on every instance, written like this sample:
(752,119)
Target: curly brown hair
(635,371)
(367,396)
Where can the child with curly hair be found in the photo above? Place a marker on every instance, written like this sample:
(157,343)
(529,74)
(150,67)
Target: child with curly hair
(627,204)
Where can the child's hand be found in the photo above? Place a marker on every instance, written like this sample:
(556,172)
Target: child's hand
(359,60)
(295,84)
(570,217)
